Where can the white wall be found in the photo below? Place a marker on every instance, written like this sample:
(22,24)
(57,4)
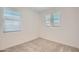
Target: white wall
(30,29)
(1,28)
(68,32)
(33,26)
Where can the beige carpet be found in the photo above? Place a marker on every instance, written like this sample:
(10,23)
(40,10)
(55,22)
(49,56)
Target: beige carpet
(41,45)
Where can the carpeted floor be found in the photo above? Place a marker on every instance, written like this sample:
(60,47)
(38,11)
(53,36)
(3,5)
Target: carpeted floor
(41,45)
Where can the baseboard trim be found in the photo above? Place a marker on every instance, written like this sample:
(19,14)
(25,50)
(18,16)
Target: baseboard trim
(35,39)
(61,43)
(3,49)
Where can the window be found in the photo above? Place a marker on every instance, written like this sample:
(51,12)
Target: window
(47,20)
(53,19)
(11,20)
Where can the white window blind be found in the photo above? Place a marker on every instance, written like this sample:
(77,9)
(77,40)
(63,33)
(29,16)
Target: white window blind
(53,19)
(11,20)
(47,20)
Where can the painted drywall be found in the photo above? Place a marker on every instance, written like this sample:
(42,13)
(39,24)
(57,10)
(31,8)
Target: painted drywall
(33,26)
(68,32)
(29,27)
(1,28)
